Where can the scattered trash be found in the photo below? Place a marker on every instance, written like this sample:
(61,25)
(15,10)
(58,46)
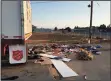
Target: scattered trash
(63,51)
(46,61)
(41,60)
(85,77)
(57,58)
(84,55)
(35,61)
(45,55)
(98,53)
(93,49)
(38,60)
(98,46)
(66,59)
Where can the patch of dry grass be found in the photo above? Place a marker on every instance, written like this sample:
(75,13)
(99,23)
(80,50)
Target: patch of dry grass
(57,38)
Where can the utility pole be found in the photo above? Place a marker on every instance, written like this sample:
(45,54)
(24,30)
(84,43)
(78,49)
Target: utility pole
(91,14)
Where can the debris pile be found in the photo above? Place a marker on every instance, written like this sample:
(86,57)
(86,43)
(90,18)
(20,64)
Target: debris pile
(84,55)
(56,54)
(60,51)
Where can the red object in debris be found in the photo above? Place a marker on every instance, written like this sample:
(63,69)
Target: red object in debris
(5,49)
(56,51)
(17,55)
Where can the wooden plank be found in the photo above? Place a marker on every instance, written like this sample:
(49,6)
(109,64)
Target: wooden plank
(63,69)
(52,56)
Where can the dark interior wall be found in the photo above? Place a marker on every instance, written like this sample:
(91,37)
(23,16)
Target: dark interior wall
(10,42)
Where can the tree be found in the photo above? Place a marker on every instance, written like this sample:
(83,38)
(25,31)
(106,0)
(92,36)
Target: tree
(55,29)
(34,28)
(76,27)
(68,29)
(102,27)
(109,28)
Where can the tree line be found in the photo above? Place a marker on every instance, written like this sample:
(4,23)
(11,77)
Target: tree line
(101,28)
(36,29)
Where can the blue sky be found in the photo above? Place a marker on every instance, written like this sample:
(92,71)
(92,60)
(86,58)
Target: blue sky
(69,13)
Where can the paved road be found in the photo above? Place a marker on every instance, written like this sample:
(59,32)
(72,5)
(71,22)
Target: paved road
(97,69)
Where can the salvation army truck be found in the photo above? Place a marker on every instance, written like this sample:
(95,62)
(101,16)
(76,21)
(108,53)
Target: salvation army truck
(16,26)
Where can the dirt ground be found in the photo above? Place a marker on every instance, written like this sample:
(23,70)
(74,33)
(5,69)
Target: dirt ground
(54,38)
(97,69)
(61,38)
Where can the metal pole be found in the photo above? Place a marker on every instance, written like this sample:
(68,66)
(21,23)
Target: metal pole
(110,27)
(90,29)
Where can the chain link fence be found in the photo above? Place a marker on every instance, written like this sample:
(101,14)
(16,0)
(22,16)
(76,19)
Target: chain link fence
(106,35)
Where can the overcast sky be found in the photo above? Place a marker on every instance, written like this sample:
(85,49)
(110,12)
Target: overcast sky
(69,13)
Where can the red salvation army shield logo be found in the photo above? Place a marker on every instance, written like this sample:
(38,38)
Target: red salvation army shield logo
(17,55)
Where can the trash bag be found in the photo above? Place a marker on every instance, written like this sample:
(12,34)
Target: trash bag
(98,46)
